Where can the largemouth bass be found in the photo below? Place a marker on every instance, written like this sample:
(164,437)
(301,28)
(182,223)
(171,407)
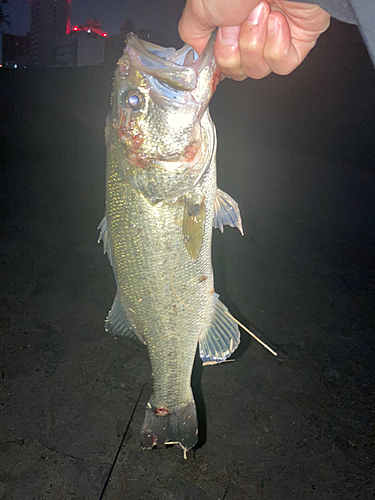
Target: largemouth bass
(161,204)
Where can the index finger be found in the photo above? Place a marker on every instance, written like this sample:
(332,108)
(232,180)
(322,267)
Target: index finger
(201,17)
(193,28)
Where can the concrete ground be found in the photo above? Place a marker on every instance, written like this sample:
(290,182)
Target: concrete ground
(297,153)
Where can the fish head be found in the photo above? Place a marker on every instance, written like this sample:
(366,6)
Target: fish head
(159,98)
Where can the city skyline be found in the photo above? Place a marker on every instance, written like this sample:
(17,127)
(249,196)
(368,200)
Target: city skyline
(160,15)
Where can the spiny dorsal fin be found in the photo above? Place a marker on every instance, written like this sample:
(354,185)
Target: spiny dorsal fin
(226,211)
(221,338)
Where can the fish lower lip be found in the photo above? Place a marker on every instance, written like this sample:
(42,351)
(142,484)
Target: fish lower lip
(187,155)
(172,157)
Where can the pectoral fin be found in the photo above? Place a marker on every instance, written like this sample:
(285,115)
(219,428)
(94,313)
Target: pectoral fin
(221,338)
(226,211)
(117,323)
(193,227)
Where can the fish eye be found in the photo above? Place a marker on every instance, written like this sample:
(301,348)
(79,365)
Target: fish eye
(134,100)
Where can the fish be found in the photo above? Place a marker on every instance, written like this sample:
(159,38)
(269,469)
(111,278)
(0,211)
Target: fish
(162,203)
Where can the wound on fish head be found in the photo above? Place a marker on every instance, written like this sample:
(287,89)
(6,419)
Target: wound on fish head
(159,98)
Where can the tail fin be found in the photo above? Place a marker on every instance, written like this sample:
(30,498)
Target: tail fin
(175,426)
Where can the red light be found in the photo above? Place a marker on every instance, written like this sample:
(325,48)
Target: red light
(75,28)
(104,34)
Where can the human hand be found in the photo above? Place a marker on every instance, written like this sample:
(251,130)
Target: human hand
(254,38)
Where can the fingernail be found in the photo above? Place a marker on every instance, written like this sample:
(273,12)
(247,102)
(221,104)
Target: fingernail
(229,34)
(255,14)
(273,25)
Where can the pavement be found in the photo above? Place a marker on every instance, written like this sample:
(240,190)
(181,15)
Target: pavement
(297,154)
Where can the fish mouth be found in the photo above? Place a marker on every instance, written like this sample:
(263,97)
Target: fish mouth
(179,69)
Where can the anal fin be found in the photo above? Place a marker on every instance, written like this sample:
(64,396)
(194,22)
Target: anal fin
(226,211)
(117,323)
(221,338)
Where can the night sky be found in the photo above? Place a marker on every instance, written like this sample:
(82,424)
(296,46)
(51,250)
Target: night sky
(160,15)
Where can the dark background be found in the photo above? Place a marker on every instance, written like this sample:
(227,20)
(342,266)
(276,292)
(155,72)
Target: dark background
(297,154)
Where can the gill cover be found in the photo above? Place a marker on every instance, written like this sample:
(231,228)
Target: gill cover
(159,99)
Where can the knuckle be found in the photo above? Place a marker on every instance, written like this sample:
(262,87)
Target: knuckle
(227,67)
(275,54)
(256,67)
(258,75)
(283,62)
(230,65)
(250,46)
(282,68)
(235,76)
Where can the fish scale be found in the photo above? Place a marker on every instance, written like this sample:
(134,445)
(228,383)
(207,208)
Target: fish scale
(161,276)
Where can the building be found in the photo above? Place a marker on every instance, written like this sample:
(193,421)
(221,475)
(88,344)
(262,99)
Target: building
(114,45)
(83,46)
(91,26)
(80,48)
(16,50)
(54,42)
(50,20)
